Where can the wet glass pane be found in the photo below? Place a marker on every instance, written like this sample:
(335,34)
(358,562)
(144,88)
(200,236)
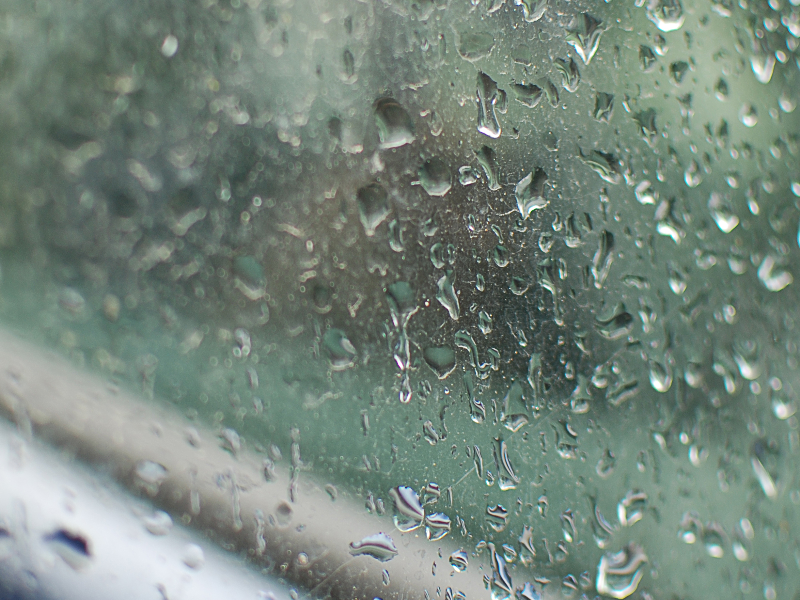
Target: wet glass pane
(406,298)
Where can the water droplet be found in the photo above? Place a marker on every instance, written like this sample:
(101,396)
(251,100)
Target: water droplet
(721,90)
(151,475)
(603,107)
(763,66)
(782,408)
(464,340)
(490,99)
(467,175)
(631,508)
(437,255)
(193,557)
(690,528)
(646,120)
(722,213)
(459,560)
(546,241)
(787,102)
(678,70)
(550,91)
(532,10)
(618,324)
(748,115)
(647,58)
(348,67)
(340,349)
(484,322)
(474,45)
(395,127)
(431,436)
(441,359)
(774,280)
(446,295)
(619,573)
(435,177)
(666,14)
(409,513)
(603,258)
(373,206)
(528,94)
(605,165)
(502,587)
(605,466)
(713,540)
(692,176)
(764,478)
(584,35)
(660,376)
(570,76)
(73,548)
(159,523)
(379,546)
(677,279)
(530,192)
(169,47)
(500,255)
(437,525)
(488,162)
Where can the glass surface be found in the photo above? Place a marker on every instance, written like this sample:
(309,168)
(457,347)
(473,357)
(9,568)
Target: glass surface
(521,274)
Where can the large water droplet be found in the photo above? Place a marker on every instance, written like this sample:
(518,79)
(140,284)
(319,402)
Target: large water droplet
(532,10)
(619,574)
(603,257)
(570,76)
(373,206)
(441,359)
(748,115)
(459,560)
(340,349)
(763,65)
(395,127)
(605,165)
(530,192)
(409,513)
(647,58)
(584,35)
(73,548)
(616,325)
(490,99)
(660,376)
(437,525)
(722,213)
(773,279)
(446,295)
(603,107)
(435,177)
(666,14)
(379,546)
(528,94)
(488,162)
(473,46)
